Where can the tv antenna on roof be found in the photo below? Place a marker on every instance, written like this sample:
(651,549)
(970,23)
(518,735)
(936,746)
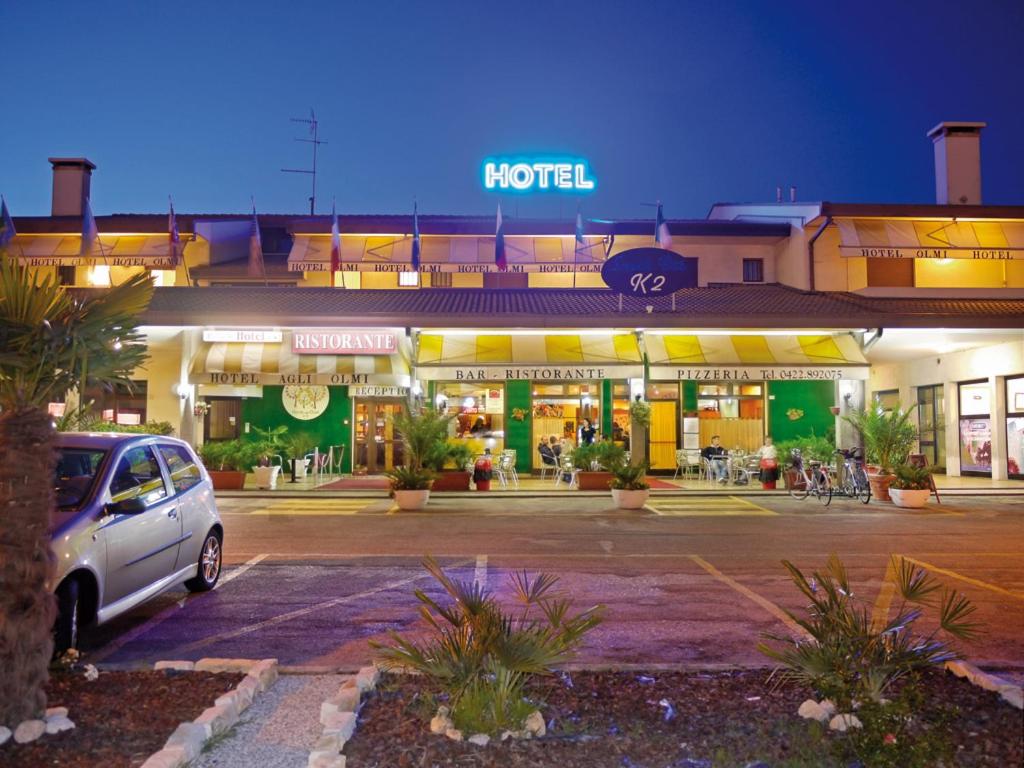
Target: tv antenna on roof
(316,141)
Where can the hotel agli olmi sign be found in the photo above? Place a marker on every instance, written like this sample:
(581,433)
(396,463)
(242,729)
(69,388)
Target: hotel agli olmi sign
(344,341)
(537,174)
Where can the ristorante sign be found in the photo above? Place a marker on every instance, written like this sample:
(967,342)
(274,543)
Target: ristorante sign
(582,372)
(344,341)
(757,372)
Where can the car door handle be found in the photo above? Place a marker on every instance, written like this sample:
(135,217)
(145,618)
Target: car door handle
(172,513)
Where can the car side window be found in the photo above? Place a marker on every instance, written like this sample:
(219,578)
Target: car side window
(184,472)
(138,475)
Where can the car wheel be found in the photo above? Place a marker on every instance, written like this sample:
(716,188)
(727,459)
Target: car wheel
(69,607)
(209,565)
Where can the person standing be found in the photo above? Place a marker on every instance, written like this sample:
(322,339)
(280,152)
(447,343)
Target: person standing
(769,463)
(717,459)
(587,433)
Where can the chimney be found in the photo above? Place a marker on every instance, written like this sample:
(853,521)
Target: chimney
(957,163)
(71,178)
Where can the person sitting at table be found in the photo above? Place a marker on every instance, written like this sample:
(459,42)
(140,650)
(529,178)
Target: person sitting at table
(717,459)
(479,428)
(555,446)
(547,456)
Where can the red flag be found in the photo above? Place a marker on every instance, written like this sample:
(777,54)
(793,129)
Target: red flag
(335,244)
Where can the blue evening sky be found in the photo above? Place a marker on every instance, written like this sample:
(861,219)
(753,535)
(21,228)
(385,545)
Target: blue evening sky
(689,102)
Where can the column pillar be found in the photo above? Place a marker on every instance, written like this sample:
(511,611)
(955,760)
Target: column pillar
(997,395)
(951,406)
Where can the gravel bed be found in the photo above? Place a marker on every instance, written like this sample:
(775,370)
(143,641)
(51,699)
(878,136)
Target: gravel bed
(278,730)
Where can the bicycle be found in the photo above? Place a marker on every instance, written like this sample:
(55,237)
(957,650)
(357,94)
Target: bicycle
(810,481)
(854,479)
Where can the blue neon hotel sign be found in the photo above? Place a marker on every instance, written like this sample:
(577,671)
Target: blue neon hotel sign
(541,174)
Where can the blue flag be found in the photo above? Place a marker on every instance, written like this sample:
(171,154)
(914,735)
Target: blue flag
(7,231)
(661,234)
(415,239)
(579,231)
(499,244)
(90,233)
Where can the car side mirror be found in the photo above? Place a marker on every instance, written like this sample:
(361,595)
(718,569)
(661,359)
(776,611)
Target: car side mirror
(132,506)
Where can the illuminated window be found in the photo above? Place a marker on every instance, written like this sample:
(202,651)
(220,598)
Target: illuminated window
(408,279)
(99,275)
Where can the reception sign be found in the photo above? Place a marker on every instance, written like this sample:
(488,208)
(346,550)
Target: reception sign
(649,272)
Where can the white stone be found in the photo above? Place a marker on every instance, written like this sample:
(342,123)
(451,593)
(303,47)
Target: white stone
(168,757)
(367,678)
(844,723)
(56,711)
(326,761)
(440,723)
(454,734)
(218,718)
(224,665)
(347,700)
(1011,693)
(29,730)
(5,734)
(480,739)
(342,723)
(58,724)
(812,710)
(264,672)
(190,737)
(506,735)
(534,723)
(829,706)
(180,666)
(91,673)
(330,741)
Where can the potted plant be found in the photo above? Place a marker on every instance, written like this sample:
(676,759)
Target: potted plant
(630,488)
(223,462)
(595,463)
(299,446)
(421,429)
(888,437)
(911,486)
(449,461)
(269,443)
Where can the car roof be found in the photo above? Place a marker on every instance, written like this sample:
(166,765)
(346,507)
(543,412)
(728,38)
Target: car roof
(105,440)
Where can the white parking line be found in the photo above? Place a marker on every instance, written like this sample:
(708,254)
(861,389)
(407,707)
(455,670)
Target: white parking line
(480,574)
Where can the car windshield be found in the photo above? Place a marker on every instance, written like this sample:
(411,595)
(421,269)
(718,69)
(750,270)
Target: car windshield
(76,474)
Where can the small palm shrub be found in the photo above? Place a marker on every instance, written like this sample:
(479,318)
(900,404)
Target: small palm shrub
(849,659)
(606,455)
(911,478)
(405,478)
(630,477)
(482,654)
(889,436)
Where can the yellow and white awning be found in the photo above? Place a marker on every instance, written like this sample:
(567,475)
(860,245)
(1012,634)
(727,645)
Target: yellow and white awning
(150,251)
(541,357)
(910,239)
(270,363)
(755,357)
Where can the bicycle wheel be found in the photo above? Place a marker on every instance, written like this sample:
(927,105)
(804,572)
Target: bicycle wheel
(823,488)
(863,486)
(798,490)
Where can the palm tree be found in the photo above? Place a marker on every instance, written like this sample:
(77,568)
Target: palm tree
(51,342)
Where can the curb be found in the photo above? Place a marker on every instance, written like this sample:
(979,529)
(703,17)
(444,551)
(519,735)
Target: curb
(1009,692)
(338,717)
(187,742)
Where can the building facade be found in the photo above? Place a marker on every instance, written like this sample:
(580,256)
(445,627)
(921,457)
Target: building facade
(800,312)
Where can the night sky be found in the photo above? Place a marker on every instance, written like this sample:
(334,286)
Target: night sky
(689,102)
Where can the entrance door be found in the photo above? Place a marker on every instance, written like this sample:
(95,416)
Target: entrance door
(223,421)
(378,444)
(932,416)
(664,437)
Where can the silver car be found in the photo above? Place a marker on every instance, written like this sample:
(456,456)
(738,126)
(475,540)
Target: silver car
(135,517)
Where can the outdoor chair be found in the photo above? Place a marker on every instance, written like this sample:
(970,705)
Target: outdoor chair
(567,471)
(547,464)
(694,468)
(682,463)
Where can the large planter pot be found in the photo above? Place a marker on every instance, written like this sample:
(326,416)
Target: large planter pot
(909,499)
(880,486)
(227,480)
(266,477)
(412,501)
(793,479)
(593,481)
(629,499)
(451,481)
(300,467)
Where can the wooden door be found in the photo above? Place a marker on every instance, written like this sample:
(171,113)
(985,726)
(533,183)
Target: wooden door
(663,438)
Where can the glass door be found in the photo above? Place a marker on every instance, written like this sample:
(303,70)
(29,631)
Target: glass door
(378,445)
(975,429)
(1015,427)
(932,414)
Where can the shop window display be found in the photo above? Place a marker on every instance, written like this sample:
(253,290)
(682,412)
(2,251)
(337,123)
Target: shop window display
(1015,426)
(733,411)
(975,428)
(479,411)
(559,410)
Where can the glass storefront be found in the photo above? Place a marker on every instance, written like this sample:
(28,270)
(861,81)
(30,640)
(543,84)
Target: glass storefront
(734,411)
(1015,427)
(479,411)
(378,445)
(931,413)
(975,428)
(560,410)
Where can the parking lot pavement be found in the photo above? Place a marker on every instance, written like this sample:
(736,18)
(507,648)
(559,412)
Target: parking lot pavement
(693,585)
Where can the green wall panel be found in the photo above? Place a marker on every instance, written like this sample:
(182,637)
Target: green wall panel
(814,398)
(689,394)
(518,433)
(329,428)
(606,406)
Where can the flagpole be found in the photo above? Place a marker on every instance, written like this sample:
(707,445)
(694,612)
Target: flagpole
(575,248)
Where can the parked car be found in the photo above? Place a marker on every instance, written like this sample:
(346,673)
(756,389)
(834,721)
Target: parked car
(135,517)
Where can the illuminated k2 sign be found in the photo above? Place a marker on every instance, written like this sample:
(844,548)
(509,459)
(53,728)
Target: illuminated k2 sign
(649,272)
(540,174)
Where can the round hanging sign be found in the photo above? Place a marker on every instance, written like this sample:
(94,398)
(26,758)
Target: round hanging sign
(305,401)
(649,272)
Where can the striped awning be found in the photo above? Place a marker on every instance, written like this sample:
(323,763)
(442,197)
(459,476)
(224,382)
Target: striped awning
(150,251)
(810,356)
(910,239)
(271,363)
(522,356)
